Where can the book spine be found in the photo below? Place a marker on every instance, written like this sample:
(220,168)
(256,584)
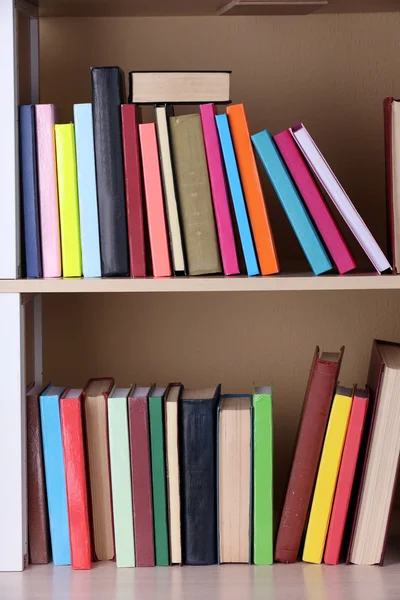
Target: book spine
(390,221)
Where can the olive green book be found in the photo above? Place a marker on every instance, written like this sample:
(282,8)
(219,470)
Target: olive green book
(262,477)
(160,516)
(194,195)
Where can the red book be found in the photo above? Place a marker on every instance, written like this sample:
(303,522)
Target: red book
(134,191)
(317,403)
(141,476)
(75,475)
(346,477)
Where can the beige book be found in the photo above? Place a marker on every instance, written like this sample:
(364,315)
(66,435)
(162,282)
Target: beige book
(396,178)
(172,460)
(194,195)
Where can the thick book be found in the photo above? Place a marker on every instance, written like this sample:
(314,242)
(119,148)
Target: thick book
(339,197)
(194,195)
(238,201)
(328,472)
(172,472)
(71,410)
(30,191)
(38,521)
(107,97)
(344,487)
(154,201)
(157,446)
(139,433)
(316,205)
(392,159)
(53,457)
(234,479)
(134,189)
(263,516)
(313,421)
(95,402)
(219,190)
(87,190)
(261,228)
(291,202)
(48,191)
(198,459)
(120,464)
(68,200)
(179,87)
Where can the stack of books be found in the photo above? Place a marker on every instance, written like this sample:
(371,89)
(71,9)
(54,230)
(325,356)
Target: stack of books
(95,190)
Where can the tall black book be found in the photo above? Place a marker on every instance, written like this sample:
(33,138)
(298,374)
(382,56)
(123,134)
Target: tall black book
(107,97)
(198,454)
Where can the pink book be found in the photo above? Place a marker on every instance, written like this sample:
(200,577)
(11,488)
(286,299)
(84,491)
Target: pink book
(219,190)
(154,201)
(48,192)
(315,202)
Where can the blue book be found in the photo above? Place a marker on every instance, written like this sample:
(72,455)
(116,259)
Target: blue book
(53,458)
(87,189)
(291,202)
(235,185)
(30,191)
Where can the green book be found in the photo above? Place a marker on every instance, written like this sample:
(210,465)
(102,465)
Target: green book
(156,417)
(262,477)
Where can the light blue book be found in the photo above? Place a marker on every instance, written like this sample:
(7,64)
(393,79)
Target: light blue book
(53,458)
(235,185)
(89,220)
(291,202)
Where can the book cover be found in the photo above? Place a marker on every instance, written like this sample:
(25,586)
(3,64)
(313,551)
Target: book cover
(392,148)
(172,472)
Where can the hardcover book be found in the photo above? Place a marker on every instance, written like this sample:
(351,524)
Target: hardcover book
(172,472)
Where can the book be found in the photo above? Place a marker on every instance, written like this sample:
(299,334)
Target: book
(139,435)
(234,479)
(134,189)
(328,472)
(107,97)
(53,459)
(345,487)
(263,517)
(163,113)
(313,421)
(198,458)
(87,190)
(95,402)
(316,205)
(38,522)
(219,191)
(258,215)
(392,160)
(121,483)
(339,197)
(180,87)
(157,445)
(68,200)
(194,195)
(291,202)
(235,186)
(154,201)
(71,411)
(30,191)
(48,191)
(172,472)
(381,466)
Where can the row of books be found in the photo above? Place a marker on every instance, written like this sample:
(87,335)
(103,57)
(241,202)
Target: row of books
(107,182)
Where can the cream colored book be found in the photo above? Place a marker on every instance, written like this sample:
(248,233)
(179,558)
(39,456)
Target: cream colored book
(172,464)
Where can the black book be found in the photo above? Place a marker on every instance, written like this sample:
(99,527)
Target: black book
(198,456)
(108,95)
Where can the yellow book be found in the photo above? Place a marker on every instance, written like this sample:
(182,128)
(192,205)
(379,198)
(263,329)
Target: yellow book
(68,200)
(327,476)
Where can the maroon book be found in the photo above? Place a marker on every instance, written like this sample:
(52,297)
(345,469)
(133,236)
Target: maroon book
(313,421)
(141,476)
(134,189)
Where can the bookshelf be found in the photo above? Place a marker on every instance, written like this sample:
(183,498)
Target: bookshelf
(331,69)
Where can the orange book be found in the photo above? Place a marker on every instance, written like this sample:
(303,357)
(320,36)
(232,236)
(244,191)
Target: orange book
(154,201)
(253,193)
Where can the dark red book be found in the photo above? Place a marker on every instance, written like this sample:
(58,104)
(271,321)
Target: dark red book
(313,421)
(142,497)
(134,189)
